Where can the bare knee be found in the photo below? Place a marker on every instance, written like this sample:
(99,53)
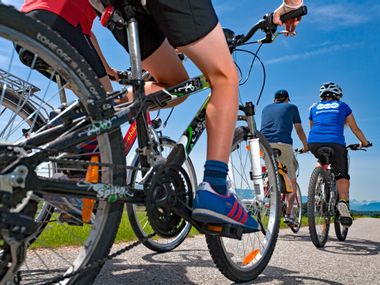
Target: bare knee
(227,78)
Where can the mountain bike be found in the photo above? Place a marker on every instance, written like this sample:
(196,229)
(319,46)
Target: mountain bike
(28,163)
(286,188)
(25,107)
(323,198)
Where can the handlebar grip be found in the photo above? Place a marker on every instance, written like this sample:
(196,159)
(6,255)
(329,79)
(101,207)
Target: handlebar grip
(294,14)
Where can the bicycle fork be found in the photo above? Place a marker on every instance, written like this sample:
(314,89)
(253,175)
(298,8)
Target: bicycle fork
(254,149)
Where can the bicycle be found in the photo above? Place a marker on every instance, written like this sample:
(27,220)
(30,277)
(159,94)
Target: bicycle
(21,184)
(286,188)
(323,198)
(12,100)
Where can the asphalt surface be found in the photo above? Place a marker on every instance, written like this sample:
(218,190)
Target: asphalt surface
(295,261)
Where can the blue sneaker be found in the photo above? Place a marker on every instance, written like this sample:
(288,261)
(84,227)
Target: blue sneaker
(212,208)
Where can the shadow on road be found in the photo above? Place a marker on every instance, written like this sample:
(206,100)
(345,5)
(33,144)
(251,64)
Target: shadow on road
(288,277)
(353,247)
(168,268)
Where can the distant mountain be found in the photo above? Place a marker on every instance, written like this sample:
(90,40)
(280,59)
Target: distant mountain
(361,206)
(355,205)
(365,206)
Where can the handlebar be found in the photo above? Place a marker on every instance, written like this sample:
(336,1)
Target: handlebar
(299,150)
(358,146)
(266,25)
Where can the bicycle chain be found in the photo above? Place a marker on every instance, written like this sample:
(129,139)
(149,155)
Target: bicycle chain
(99,263)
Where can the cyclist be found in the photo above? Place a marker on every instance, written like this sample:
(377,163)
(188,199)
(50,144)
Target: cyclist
(327,121)
(73,20)
(277,123)
(193,28)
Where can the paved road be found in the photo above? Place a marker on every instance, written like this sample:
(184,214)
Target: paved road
(295,261)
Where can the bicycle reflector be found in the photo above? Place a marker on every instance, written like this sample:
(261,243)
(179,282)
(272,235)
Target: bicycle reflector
(92,176)
(251,256)
(107,15)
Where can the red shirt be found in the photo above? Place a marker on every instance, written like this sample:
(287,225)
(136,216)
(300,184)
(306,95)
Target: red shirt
(73,11)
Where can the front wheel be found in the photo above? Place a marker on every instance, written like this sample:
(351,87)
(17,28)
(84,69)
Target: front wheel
(138,216)
(317,207)
(243,260)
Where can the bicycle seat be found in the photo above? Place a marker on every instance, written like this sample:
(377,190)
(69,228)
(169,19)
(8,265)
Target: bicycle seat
(276,152)
(325,151)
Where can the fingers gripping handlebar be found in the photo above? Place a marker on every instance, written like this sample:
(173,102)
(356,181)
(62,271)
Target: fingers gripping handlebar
(266,25)
(358,146)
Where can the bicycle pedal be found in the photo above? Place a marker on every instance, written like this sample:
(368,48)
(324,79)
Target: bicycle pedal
(215,228)
(225,230)
(71,220)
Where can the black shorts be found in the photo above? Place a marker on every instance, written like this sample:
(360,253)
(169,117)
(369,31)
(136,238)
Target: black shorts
(74,36)
(339,161)
(181,22)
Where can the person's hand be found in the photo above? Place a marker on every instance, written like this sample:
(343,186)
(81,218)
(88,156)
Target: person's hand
(113,74)
(305,148)
(290,25)
(365,144)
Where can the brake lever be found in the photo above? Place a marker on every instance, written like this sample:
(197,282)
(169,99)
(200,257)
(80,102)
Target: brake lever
(268,27)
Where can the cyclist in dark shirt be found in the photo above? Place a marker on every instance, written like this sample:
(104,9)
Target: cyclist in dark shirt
(277,123)
(327,120)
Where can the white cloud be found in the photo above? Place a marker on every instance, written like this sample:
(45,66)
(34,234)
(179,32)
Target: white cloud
(312,53)
(343,15)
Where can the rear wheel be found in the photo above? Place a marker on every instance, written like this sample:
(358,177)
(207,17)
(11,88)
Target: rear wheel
(17,81)
(243,260)
(138,216)
(317,207)
(297,211)
(340,231)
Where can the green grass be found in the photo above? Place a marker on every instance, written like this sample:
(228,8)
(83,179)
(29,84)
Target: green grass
(57,234)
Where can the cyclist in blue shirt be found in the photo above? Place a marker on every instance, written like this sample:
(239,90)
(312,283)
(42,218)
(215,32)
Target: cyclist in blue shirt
(327,121)
(277,123)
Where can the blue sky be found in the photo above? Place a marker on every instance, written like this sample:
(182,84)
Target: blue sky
(338,41)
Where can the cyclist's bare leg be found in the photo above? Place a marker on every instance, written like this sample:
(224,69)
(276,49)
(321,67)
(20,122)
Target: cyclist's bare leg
(213,58)
(343,186)
(106,83)
(290,197)
(166,68)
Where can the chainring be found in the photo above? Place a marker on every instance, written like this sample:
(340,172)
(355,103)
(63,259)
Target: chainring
(170,188)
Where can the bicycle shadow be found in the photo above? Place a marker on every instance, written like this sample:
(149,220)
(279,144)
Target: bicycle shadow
(172,268)
(157,268)
(299,237)
(352,247)
(283,276)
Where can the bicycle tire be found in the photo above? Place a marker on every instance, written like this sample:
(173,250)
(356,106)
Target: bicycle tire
(19,106)
(317,207)
(341,232)
(140,224)
(225,257)
(66,61)
(298,211)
